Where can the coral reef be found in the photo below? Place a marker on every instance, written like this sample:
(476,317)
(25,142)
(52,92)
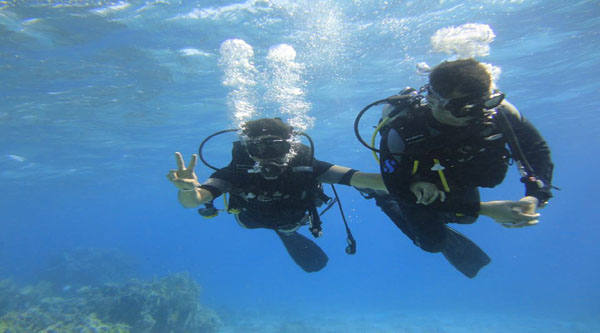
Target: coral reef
(170,304)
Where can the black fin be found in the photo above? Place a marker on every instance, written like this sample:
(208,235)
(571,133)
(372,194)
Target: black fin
(306,253)
(463,254)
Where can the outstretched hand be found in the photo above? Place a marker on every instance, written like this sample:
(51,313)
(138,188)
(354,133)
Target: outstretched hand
(512,214)
(184,178)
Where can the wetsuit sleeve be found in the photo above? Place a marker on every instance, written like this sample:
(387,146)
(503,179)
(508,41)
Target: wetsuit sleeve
(332,174)
(219,182)
(536,151)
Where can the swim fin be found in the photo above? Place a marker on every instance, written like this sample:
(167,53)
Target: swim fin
(464,254)
(306,253)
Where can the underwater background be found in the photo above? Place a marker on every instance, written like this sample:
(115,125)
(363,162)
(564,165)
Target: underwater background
(96,96)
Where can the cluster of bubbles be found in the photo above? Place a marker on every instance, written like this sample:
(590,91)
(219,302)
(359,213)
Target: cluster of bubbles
(465,41)
(281,82)
(241,76)
(287,87)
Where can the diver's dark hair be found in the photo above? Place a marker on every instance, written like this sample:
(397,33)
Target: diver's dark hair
(267,126)
(467,76)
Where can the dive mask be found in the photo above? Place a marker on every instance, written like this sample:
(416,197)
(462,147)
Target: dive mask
(464,106)
(267,148)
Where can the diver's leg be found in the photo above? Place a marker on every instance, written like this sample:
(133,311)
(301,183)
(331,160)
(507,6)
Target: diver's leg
(428,230)
(467,195)
(306,253)
(433,235)
(424,227)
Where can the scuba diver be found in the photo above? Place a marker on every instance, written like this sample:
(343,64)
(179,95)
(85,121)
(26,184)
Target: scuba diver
(440,144)
(274,182)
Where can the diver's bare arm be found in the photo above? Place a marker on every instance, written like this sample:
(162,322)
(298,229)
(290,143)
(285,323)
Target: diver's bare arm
(194,198)
(359,179)
(512,214)
(368,180)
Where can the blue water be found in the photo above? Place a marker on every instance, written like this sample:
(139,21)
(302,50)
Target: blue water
(97,96)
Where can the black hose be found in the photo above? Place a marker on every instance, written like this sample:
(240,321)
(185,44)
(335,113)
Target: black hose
(513,143)
(206,140)
(312,144)
(351,248)
(357,122)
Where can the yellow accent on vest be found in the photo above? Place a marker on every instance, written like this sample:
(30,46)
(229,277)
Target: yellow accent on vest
(415,167)
(442,176)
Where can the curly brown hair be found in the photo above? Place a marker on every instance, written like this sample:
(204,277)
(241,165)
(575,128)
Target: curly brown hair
(467,76)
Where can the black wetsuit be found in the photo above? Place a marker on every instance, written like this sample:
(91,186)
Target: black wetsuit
(263,203)
(283,204)
(458,160)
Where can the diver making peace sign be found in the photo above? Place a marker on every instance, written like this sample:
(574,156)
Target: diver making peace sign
(274,182)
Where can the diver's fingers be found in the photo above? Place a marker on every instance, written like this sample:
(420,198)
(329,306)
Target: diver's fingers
(522,204)
(179,161)
(519,224)
(510,225)
(442,196)
(520,215)
(172,174)
(419,194)
(182,184)
(502,221)
(531,223)
(193,161)
(525,207)
(431,197)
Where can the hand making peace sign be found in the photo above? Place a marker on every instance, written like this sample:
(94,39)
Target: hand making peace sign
(184,178)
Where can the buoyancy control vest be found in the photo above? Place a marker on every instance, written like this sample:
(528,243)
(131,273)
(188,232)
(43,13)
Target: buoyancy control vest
(276,202)
(454,158)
